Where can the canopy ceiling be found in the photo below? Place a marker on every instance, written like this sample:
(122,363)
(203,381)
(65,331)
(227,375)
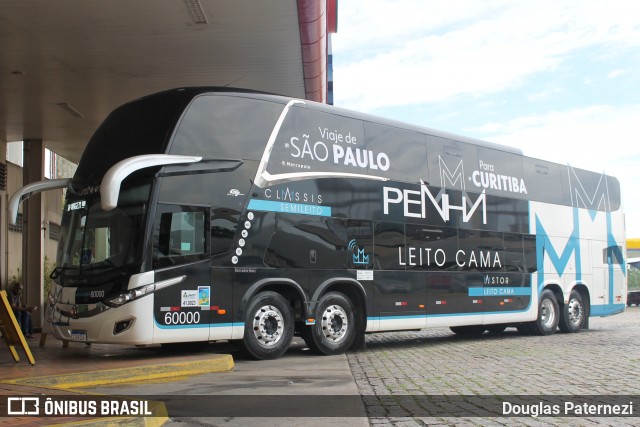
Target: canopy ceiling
(65,65)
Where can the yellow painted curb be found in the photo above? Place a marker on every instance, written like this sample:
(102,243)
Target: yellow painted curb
(218,363)
(68,382)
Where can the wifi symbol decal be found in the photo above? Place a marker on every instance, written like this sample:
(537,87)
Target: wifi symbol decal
(359,257)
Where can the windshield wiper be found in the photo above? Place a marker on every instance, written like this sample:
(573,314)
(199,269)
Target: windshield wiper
(101,266)
(104,264)
(57,274)
(57,270)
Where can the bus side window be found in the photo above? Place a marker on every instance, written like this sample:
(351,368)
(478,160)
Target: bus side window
(612,255)
(530,254)
(180,235)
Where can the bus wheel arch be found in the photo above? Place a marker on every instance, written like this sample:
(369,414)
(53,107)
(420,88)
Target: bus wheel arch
(575,313)
(289,289)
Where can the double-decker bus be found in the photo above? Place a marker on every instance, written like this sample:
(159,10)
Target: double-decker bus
(204,214)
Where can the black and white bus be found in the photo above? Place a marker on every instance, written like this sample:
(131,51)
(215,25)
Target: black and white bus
(206,214)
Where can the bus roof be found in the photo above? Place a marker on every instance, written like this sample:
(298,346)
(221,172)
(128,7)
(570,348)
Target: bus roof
(192,92)
(412,127)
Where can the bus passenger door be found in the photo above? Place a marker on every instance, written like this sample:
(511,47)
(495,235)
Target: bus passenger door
(228,249)
(181,261)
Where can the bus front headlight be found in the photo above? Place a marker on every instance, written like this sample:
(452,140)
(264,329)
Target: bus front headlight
(129,296)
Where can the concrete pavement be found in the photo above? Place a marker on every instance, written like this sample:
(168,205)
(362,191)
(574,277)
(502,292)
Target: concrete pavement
(186,381)
(297,382)
(383,385)
(64,371)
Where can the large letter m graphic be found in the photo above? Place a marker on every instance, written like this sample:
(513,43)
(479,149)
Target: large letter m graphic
(544,246)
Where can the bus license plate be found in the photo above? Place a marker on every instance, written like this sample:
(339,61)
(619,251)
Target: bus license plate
(79,335)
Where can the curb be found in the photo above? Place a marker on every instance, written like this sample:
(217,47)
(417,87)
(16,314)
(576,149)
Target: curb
(162,371)
(218,363)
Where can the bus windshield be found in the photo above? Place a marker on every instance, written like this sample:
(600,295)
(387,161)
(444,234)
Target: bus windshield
(93,239)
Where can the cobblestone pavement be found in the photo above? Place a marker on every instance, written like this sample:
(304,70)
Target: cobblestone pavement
(400,371)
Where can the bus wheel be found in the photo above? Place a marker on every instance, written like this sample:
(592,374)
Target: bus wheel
(268,326)
(335,327)
(548,314)
(573,315)
(468,331)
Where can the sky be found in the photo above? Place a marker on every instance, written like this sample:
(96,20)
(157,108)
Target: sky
(558,79)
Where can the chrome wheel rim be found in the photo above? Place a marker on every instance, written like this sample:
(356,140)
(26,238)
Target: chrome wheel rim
(268,325)
(575,312)
(334,323)
(548,314)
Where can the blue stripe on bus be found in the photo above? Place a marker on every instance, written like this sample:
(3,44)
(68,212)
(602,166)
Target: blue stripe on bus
(200,325)
(426,316)
(418,316)
(226,325)
(196,325)
(287,207)
(498,291)
(479,313)
(606,309)
(611,243)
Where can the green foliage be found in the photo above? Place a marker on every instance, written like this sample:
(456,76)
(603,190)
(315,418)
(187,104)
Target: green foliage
(47,269)
(633,280)
(15,278)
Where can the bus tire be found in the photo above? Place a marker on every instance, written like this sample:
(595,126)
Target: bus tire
(573,314)
(268,326)
(468,331)
(548,314)
(335,325)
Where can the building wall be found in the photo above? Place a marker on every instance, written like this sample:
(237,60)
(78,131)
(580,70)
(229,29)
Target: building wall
(3,213)
(11,242)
